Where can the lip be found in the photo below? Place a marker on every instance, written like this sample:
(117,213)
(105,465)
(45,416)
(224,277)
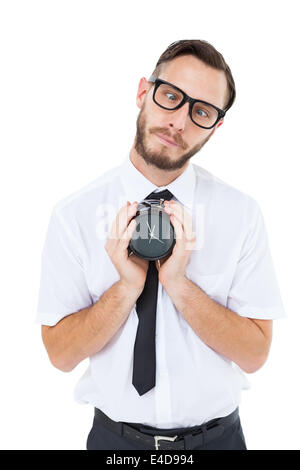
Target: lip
(166,141)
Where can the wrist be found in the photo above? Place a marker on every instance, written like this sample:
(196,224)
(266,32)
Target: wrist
(130,289)
(174,283)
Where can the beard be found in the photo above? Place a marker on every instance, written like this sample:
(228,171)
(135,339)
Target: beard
(159,159)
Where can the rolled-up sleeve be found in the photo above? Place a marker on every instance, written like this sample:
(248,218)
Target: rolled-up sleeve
(63,289)
(254,292)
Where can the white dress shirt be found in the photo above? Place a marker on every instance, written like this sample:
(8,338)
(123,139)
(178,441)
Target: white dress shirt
(231,262)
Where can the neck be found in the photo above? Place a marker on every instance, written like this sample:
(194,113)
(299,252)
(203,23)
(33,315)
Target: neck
(155,175)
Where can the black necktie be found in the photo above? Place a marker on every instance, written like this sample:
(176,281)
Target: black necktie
(144,357)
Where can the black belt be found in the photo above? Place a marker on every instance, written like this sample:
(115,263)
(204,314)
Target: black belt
(195,436)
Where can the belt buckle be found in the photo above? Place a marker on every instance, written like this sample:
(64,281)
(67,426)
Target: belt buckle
(162,438)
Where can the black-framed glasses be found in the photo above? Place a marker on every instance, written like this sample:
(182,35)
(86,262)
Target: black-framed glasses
(168,96)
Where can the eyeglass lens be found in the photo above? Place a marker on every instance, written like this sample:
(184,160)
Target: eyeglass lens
(168,97)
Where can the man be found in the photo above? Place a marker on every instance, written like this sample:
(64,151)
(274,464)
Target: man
(217,292)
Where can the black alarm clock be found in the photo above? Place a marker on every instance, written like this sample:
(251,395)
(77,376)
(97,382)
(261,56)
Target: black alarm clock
(154,236)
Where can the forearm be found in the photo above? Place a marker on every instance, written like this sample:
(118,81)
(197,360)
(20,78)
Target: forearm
(235,337)
(86,332)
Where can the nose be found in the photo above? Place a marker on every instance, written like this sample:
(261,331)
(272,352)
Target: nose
(179,117)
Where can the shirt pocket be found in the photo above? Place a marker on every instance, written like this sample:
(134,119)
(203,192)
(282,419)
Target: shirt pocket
(214,285)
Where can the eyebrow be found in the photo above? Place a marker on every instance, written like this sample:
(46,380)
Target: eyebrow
(180,89)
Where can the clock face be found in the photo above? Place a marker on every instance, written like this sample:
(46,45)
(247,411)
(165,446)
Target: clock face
(153,237)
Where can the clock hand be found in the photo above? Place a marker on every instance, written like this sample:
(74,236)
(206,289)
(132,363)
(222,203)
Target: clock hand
(151,231)
(155,238)
(152,234)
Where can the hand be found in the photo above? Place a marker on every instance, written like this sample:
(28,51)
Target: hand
(173,267)
(132,269)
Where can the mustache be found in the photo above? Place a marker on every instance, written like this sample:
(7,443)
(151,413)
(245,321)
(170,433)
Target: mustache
(162,131)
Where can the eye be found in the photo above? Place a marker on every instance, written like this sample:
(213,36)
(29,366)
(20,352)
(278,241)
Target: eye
(202,112)
(171,96)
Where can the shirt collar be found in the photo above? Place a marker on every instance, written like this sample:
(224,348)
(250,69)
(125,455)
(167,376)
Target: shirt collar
(137,186)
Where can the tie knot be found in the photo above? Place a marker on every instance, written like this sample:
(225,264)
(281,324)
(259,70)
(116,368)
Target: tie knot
(164,194)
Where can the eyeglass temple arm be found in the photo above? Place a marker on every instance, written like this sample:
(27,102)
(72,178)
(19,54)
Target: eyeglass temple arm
(152,78)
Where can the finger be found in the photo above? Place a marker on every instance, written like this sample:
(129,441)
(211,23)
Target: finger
(115,233)
(178,229)
(184,217)
(121,221)
(126,237)
(174,208)
(175,219)
(183,244)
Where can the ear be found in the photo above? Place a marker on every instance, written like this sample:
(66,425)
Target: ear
(144,86)
(218,125)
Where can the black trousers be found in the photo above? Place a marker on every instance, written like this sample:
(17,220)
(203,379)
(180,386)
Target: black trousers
(101,438)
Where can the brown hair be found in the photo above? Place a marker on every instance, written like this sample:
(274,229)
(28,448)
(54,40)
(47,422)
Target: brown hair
(204,51)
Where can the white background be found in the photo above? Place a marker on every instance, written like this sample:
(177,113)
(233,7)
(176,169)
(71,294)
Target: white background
(68,82)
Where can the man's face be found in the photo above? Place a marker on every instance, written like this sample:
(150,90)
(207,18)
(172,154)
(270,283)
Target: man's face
(200,82)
